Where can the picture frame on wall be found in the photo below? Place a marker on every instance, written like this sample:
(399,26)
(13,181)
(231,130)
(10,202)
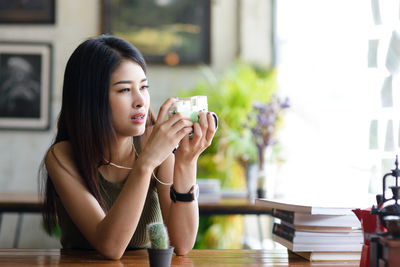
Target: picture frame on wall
(27,11)
(25,82)
(171,32)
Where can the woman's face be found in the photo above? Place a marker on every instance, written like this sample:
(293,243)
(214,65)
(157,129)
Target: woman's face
(129,99)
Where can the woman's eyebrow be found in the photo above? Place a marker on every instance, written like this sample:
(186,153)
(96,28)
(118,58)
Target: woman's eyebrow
(128,81)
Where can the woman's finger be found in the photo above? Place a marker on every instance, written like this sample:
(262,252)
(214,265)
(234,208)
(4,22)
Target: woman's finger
(162,113)
(179,124)
(211,127)
(197,133)
(203,121)
(176,119)
(181,134)
(185,139)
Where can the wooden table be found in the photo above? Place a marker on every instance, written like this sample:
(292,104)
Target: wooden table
(20,202)
(214,258)
(31,203)
(232,206)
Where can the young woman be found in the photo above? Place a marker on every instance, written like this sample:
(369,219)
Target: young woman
(111,169)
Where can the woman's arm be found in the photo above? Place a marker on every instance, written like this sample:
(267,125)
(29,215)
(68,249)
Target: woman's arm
(182,218)
(108,233)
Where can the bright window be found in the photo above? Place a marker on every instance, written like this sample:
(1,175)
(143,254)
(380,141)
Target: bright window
(342,131)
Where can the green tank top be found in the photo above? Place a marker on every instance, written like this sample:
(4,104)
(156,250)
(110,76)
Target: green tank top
(71,237)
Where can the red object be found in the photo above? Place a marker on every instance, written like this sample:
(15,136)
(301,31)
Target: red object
(370,224)
(364,261)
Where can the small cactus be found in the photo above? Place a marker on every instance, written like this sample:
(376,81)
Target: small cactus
(158,235)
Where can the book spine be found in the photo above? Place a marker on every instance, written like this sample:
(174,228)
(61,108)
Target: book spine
(283,231)
(284,215)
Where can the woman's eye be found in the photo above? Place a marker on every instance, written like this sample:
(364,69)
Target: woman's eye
(144,87)
(124,90)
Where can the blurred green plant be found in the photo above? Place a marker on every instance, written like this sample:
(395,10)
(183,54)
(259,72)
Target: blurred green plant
(220,232)
(231,98)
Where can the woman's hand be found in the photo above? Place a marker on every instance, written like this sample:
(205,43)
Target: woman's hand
(203,133)
(165,135)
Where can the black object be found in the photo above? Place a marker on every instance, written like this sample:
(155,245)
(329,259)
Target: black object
(215,119)
(160,257)
(389,214)
(375,250)
(384,246)
(261,193)
(192,195)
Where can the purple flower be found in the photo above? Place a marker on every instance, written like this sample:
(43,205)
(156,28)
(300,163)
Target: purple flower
(264,119)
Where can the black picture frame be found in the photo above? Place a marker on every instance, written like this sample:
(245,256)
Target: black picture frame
(27,12)
(171,32)
(25,85)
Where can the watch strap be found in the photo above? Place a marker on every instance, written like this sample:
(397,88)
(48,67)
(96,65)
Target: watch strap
(185,197)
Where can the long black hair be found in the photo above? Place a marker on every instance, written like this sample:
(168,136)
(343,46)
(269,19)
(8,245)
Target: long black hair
(85,117)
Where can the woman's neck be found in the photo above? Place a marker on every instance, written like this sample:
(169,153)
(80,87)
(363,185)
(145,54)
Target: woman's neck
(122,150)
(122,154)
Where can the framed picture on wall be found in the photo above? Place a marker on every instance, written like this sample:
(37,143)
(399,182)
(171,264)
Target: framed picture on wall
(165,31)
(27,11)
(25,80)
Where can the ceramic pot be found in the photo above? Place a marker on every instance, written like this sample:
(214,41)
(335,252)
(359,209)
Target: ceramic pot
(160,257)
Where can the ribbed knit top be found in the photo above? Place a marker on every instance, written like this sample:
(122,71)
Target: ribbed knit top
(71,237)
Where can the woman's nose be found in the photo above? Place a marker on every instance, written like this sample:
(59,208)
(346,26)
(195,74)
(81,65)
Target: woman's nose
(137,99)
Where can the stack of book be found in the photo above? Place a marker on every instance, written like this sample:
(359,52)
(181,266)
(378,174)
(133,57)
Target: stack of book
(316,233)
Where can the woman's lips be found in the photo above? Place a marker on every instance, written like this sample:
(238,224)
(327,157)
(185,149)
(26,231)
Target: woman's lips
(138,118)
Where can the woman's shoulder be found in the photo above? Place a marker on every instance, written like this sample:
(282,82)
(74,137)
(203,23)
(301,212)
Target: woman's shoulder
(61,149)
(60,155)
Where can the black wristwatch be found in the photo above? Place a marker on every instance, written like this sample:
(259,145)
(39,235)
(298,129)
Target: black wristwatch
(192,195)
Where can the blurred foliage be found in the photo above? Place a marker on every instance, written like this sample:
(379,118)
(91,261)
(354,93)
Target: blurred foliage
(220,232)
(231,98)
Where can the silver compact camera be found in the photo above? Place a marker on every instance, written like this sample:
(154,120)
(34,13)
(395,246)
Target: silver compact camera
(190,107)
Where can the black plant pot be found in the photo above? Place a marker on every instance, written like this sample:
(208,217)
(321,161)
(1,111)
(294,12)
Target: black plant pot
(160,257)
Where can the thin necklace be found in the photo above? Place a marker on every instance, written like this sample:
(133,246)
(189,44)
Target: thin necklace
(129,168)
(118,166)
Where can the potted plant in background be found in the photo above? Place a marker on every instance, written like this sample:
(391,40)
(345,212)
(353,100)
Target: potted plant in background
(263,122)
(160,252)
(233,149)
(231,97)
